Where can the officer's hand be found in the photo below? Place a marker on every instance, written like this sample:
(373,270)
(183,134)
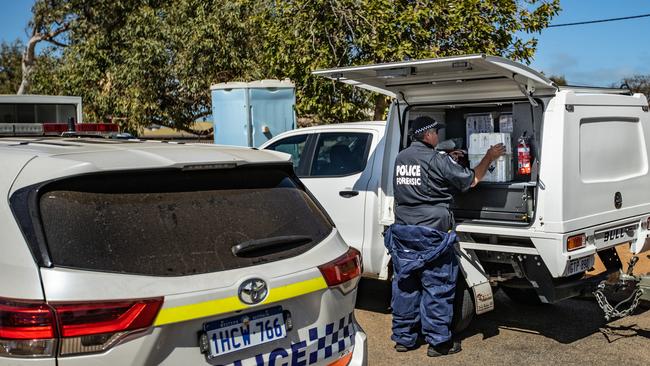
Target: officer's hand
(496,151)
(456,154)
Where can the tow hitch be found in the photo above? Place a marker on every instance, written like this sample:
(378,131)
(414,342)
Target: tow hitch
(625,285)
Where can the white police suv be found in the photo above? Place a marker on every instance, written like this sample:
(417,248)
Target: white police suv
(148,253)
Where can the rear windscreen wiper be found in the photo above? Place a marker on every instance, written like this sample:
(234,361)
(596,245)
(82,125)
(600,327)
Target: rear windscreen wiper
(270,245)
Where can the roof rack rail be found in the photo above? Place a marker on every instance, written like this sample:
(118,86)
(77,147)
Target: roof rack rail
(623,90)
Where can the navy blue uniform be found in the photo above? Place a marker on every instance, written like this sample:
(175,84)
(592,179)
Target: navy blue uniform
(423,294)
(424,184)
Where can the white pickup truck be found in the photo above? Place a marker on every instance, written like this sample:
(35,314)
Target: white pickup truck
(535,235)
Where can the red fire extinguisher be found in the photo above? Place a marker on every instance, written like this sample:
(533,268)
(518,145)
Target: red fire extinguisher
(523,155)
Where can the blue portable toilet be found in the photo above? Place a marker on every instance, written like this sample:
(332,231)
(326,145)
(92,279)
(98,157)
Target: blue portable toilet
(249,114)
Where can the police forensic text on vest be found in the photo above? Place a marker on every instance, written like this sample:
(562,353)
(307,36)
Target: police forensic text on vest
(408,175)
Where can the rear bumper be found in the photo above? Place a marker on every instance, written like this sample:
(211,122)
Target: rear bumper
(551,290)
(360,353)
(547,246)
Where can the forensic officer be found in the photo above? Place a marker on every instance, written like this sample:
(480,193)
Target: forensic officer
(421,241)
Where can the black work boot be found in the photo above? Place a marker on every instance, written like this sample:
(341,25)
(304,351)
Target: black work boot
(402,348)
(448,348)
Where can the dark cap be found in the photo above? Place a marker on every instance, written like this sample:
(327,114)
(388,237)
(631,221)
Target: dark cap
(424,123)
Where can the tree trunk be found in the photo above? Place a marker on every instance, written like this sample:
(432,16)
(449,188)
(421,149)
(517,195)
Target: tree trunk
(29,56)
(381,102)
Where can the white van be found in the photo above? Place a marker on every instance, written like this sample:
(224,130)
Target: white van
(536,234)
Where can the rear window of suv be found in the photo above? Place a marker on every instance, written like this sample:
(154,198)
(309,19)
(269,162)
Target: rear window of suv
(174,222)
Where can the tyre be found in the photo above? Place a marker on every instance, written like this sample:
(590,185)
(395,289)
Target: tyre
(526,296)
(464,309)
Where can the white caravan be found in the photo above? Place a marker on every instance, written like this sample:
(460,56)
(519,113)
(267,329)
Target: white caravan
(588,189)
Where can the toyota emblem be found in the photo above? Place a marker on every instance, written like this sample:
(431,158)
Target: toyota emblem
(253,291)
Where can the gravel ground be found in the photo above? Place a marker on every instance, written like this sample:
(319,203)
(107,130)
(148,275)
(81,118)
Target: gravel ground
(572,332)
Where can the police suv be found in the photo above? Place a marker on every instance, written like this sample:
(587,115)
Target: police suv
(148,253)
(572,187)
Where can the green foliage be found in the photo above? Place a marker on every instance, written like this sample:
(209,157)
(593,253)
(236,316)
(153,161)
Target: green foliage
(10,69)
(152,61)
(300,36)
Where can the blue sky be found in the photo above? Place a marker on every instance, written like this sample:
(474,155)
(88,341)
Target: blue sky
(596,54)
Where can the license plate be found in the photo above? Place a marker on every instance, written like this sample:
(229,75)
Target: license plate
(244,331)
(579,265)
(617,235)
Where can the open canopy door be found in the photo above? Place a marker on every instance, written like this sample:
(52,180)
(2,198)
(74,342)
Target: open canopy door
(472,77)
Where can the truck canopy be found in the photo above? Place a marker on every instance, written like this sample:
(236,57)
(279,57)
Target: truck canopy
(474,77)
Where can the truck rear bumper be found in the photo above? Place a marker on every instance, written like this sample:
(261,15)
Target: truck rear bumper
(551,290)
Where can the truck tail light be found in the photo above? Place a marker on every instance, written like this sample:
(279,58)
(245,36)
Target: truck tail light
(343,272)
(27,329)
(576,242)
(34,329)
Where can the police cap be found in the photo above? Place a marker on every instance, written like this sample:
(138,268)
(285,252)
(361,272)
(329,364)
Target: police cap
(424,123)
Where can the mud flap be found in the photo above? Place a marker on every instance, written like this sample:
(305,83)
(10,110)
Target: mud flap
(483,298)
(476,279)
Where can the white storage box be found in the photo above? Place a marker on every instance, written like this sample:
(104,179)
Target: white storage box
(479,143)
(501,169)
(478,123)
(505,123)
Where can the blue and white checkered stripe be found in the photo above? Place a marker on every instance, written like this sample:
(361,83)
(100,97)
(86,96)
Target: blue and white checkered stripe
(322,343)
(337,338)
(422,129)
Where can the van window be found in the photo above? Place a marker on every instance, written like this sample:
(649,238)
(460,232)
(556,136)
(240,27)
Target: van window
(339,154)
(611,149)
(174,223)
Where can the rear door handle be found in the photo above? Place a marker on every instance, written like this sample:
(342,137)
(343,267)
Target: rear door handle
(348,194)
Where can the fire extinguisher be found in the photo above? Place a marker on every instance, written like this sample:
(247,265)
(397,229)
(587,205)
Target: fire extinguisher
(523,155)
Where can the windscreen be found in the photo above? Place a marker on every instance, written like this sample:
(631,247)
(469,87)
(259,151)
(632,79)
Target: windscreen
(175,223)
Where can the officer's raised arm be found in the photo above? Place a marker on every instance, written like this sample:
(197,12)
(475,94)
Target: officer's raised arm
(493,153)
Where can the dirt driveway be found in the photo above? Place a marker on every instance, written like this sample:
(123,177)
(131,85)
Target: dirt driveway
(572,332)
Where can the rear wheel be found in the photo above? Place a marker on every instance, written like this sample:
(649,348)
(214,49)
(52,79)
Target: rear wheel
(522,295)
(463,306)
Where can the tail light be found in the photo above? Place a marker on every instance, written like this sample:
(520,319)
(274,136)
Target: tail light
(26,329)
(576,242)
(34,329)
(95,327)
(343,272)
